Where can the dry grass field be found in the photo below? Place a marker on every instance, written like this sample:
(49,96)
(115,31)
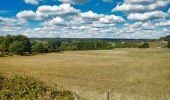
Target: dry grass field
(129,74)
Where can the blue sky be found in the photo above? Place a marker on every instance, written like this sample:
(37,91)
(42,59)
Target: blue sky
(86,18)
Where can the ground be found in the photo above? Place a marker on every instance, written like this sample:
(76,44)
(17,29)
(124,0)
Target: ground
(129,74)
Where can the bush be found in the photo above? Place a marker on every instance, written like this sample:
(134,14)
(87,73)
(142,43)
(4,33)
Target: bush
(144,45)
(168,43)
(27,88)
(40,47)
(125,44)
(17,48)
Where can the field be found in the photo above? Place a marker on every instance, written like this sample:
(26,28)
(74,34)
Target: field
(129,74)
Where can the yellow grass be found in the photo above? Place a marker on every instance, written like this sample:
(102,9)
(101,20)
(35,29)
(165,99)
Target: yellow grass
(129,74)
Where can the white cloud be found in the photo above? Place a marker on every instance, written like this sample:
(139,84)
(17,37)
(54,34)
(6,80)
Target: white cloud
(73,1)
(44,12)
(54,22)
(61,10)
(147,16)
(164,23)
(140,1)
(168,12)
(33,2)
(27,15)
(90,15)
(66,21)
(111,19)
(141,5)
(10,25)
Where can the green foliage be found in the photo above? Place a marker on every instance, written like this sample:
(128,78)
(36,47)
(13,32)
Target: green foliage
(125,44)
(86,45)
(54,46)
(5,42)
(168,43)
(17,48)
(144,45)
(27,88)
(14,43)
(167,38)
(40,47)
(25,41)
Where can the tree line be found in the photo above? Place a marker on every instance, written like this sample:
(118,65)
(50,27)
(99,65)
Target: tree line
(22,45)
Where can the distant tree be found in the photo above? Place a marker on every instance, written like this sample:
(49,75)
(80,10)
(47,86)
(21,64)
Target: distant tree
(17,48)
(54,46)
(168,43)
(5,42)
(144,45)
(40,47)
(25,41)
(13,41)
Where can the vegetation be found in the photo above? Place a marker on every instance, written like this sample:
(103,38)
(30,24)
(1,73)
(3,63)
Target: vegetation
(17,48)
(167,38)
(126,44)
(21,45)
(40,47)
(130,74)
(144,45)
(16,44)
(27,88)
(168,43)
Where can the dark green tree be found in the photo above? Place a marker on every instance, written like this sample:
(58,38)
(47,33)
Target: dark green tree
(144,45)
(17,48)
(5,42)
(40,47)
(25,41)
(168,43)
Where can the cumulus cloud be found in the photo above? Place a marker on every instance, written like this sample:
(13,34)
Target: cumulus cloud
(90,15)
(33,2)
(44,12)
(111,19)
(147,16)
(61,10)
(164,23)
(141,5)
(73,1)
(10,25)
(168,12)
(27,15)
(54,22)
(66,21)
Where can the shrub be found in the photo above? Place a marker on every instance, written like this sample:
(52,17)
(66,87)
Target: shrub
(27,88)
(144,45)
(40,47)
(168,43)
(17,48)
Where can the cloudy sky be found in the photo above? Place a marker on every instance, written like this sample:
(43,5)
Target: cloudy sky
(86,18)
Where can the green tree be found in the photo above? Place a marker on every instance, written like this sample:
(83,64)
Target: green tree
(40,47)
(25,41)
(168,43)
(144,45)
(17,48)
(5,42)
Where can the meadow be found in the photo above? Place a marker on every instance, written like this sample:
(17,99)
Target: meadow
(129,74)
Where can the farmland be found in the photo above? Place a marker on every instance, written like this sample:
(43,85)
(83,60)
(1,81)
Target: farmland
(129,74)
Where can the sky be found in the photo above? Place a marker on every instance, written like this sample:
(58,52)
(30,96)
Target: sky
(131,19)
